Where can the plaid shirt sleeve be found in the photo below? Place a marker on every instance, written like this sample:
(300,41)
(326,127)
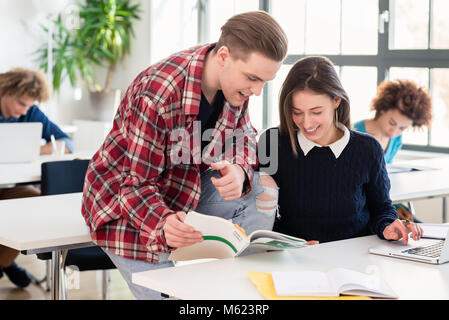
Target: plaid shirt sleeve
(140,200)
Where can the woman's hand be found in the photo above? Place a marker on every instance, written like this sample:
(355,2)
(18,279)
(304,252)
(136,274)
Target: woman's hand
(400,229)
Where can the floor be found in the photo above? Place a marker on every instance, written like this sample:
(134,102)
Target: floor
(86,285)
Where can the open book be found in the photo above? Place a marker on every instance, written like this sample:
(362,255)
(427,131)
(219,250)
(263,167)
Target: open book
(330,284)
(223,239)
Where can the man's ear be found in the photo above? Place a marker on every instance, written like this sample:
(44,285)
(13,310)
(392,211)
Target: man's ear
(223,54)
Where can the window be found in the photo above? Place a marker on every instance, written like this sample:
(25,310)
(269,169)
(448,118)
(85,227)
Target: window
(370,41)
(175,27)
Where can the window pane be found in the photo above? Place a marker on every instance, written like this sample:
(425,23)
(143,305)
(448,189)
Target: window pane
(359,26)
(275,90)
(360,84)
(421,77)
(440,106)
(323,27)
(255,108)
(409,24)
(293,25)
(220,11)
(440,24)
(174,27)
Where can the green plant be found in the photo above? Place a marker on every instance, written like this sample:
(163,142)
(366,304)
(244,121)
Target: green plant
(102,39)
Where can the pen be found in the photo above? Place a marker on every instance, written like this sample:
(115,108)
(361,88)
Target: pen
(53,142)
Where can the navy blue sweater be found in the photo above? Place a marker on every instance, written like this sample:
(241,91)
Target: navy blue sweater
(327,199)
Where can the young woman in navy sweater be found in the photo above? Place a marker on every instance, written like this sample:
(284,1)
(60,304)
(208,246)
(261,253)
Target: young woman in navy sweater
(332,181)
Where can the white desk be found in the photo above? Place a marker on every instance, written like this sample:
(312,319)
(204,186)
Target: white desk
(406,186)
(427,184)
(226,279)
(44,224)
(16,173)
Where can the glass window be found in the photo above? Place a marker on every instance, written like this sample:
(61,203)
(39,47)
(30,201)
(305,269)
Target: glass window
(275,90)
(255,107)
(359,27)
(283,11)
(322,27)
(220,11)
(440,106)
(360,84)
(440,24)
(419,75)
(174,27)
(409,24)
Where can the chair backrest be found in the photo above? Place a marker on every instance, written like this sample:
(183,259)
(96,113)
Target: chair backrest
(60,177)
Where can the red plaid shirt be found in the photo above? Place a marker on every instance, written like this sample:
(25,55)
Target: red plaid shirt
(136,178)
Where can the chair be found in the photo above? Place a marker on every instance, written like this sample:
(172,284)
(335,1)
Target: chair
(60,177)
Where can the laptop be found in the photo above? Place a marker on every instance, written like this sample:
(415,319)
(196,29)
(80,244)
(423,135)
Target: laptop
(424,250)
(20,142)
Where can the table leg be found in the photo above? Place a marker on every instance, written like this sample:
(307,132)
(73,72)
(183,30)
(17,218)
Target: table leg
(444,209)
(58,290)
(55,274)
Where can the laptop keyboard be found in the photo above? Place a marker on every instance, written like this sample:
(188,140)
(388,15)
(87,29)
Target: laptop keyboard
(432,251)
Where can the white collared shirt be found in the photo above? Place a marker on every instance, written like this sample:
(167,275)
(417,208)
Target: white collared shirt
(337,147)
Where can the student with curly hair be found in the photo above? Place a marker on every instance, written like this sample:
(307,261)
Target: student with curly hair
(398,104)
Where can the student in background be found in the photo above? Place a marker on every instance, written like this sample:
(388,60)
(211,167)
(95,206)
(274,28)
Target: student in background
(332,181)
(398,105)
(19,90)
(153,167)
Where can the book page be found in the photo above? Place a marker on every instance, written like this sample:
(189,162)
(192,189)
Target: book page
(274,244)
(357,283)
(268,234)
(221,239)
(303,283)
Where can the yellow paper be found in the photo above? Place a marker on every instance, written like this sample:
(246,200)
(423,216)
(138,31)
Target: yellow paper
(264,284)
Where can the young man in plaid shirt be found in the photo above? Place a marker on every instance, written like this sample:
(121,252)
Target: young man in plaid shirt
(182,140)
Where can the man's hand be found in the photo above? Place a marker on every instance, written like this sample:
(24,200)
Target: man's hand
(230,185)
(398,230)
(178,234)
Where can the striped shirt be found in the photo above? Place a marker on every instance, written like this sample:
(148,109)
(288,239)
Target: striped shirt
(149,165)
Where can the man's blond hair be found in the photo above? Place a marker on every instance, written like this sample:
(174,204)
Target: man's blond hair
(21,82)
(254,31)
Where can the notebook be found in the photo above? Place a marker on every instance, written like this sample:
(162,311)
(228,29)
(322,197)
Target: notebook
(20,141)
(335,282)
(424,250)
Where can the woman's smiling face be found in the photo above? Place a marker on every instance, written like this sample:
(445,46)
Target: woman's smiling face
(313,114)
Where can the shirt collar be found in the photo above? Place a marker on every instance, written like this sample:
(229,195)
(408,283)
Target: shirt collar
(336,147)
(192,87)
